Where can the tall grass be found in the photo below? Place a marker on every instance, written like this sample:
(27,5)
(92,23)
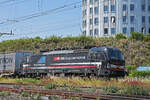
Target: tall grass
(52,82)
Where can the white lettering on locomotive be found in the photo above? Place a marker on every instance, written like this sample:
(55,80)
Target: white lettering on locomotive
(72,58)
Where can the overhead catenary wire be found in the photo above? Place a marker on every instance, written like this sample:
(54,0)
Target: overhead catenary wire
(6,1)
(53,29)
(17,2)
(56,25)
(59,26)
(11,2)
(58,10)
(64,10)
(46,25)
(56,13)
(46,12)
(27,17)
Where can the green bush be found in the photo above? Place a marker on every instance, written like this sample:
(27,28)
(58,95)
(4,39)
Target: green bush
(147,37)
(130,68)
(54,97)
(120,36)
(136,73)
(51,86)
(137,36)
(110,89)
(25,94)
(4,93)
(35,96)
(131,89)
(74,88)
(134,90)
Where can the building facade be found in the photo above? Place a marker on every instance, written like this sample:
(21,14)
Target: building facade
(102,18)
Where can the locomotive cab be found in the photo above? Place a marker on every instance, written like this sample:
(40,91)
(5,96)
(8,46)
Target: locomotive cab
(112,61)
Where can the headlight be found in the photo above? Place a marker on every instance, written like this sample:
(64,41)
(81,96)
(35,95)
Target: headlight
(113,66)
(25,65)
(108,65)
(122,66)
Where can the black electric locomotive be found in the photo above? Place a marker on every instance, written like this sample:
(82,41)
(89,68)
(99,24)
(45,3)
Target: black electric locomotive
(98,61)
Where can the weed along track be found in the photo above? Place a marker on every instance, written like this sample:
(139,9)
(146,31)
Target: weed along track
(67,94)
(63,88)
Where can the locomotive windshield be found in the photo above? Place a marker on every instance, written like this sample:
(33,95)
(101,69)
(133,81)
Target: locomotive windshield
(115,54)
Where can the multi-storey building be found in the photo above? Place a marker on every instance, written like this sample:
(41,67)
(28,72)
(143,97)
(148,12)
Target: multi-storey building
(108,17)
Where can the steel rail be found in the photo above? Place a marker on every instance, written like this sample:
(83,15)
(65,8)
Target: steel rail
(82,87)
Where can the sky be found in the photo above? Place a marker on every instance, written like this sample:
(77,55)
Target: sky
(44,18)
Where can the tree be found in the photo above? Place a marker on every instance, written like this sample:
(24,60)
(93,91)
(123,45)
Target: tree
(120,36)
(137,36)
(147,37)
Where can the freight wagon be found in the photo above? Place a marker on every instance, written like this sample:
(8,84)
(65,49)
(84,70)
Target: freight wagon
(11,63)
(98,61)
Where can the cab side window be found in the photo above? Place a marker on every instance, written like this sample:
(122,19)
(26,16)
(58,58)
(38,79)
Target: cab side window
(93,56)
(101,56)
(97,56)
(42,60)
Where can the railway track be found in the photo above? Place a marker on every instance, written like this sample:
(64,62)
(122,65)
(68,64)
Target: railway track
(12,84)
(66,94)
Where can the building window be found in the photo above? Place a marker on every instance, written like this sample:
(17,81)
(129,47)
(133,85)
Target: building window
(124,7)
(105,31)
(91,21)
(84,2)
(105,8)
(148,7)
(143,19)
(84,12)
(132,18)
(96,10)
(96,1)
(96,21)
(84,33)
(131,7)
(132,29)
(84,23)
(95,32)
(113,31)
(113,8)
(124,19)
(91,10)
(105,19)
(91,32)
(124,30)
(143,30)
(91,1)
(143,7)
(113,19)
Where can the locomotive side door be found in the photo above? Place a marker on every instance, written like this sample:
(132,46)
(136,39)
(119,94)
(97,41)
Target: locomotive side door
(98,58)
